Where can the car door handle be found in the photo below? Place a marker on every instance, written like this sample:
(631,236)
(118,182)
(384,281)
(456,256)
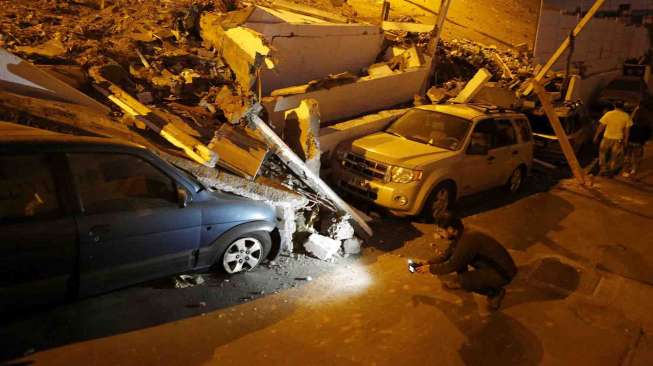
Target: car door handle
(96,231)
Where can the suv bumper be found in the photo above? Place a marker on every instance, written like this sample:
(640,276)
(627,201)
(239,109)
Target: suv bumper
(400,199)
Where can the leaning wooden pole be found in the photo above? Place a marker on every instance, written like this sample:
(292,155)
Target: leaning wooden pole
(567,150)
(297,166)
(563,46)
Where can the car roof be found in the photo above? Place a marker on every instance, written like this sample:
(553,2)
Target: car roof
(466,111)
(16,133)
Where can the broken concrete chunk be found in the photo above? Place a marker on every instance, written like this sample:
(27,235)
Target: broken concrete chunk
(341,229)
(184,281)
(379,70)
(302,127)
(352,246)
(473,86)
(50,49)
(437,95)
(321,246)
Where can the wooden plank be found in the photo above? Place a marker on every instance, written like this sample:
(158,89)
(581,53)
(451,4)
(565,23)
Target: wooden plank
(563,47)
(567,150)
(307,10)
(407,27)
(297,166)
(473,86)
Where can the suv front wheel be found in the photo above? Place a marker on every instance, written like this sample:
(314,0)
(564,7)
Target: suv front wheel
(516,180)
(440,200)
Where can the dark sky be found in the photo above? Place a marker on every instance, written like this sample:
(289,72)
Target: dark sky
(609,4)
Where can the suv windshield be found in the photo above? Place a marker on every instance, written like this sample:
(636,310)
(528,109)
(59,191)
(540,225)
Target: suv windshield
(433,128)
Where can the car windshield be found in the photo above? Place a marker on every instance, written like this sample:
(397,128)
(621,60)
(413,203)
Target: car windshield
(433,128)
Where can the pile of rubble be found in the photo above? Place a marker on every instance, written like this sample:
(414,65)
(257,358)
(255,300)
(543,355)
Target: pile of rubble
(237,93)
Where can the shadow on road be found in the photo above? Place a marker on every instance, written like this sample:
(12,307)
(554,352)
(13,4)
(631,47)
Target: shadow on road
(143,306)
(496,339)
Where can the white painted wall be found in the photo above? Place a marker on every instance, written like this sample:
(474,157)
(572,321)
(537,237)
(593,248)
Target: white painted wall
(603,44)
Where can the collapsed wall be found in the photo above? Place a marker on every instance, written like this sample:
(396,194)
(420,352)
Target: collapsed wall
(599,51)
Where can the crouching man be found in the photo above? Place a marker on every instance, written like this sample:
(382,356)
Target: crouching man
(492,266)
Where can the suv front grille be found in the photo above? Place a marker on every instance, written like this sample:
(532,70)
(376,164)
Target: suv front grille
(363,167)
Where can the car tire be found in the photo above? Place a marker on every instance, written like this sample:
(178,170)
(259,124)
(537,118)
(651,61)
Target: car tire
(516,180)
(441,199)
(244,253)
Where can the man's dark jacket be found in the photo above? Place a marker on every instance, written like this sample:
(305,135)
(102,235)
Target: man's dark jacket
(478,250)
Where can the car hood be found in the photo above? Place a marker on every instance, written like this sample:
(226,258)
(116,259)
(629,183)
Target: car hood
(394,150)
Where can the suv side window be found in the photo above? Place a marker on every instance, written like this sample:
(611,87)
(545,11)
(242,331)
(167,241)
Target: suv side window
(484,134)
(109,182)
(524,130)
(506,134)
(27,188)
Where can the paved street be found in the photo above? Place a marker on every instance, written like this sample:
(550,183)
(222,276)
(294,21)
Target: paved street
(580,297)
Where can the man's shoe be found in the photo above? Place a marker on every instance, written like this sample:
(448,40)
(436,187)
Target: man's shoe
(494,302)
(452,283)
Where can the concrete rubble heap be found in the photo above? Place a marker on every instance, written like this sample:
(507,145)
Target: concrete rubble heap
(250,97)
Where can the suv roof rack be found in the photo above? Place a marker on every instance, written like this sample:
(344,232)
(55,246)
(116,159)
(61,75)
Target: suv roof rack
(485,108)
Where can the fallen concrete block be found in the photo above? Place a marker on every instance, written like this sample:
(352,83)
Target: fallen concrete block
(473,86)
(321,246)
(302,127)
(341,229)
(380,69)
(351,246)
(241,150)
(437,95)
(366,95)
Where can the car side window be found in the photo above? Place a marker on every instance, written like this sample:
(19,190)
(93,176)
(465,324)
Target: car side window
(27,188)
(109,182)
(524,130)
(506,134)
(484,134)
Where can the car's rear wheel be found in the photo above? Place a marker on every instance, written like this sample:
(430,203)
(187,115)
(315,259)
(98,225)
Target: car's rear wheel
(245,253)
(440,200)
(516,180)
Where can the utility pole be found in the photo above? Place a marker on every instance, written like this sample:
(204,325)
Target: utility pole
(567,150)
(435,39)
(563,46)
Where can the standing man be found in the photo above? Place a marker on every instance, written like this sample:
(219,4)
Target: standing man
(493,267)
(637,137)
(616,124)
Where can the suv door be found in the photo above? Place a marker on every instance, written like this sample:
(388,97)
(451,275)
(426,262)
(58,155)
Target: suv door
(478,170)
(526,144)
(506,151)
(132,227)
(37,232)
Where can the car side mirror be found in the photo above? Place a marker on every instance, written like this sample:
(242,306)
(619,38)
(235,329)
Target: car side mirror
(477,149)
(182,197)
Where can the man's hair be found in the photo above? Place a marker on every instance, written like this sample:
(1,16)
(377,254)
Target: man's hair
(448,219)
(619,104)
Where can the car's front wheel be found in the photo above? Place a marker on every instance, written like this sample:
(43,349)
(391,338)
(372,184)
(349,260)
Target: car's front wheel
(245,253)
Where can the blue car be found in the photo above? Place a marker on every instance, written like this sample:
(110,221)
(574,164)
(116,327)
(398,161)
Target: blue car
(85,215)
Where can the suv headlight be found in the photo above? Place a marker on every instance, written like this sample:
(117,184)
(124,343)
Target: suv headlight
(404,175)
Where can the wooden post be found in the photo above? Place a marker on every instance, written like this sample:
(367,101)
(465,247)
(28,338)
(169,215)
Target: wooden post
(385,10)
(433,44)
(563,46)
(297,166)
(567,150)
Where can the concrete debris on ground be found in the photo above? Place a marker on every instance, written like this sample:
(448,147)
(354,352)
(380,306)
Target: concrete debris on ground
(185,280)
(351,246)
(322,247)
